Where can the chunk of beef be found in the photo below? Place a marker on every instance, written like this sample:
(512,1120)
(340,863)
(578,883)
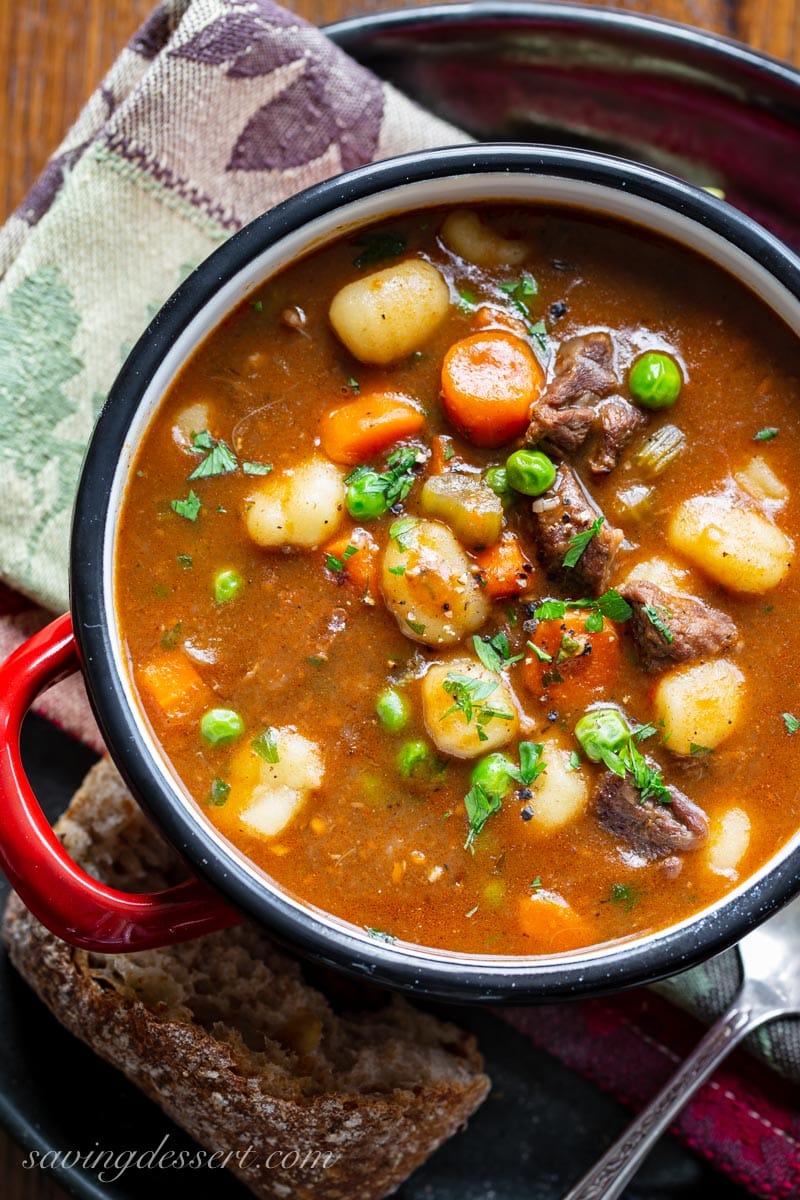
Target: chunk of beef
(650,829)
(616,421)
(697,629)
(584,374)
(561,513)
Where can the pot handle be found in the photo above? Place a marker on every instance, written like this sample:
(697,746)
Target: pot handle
(72,905)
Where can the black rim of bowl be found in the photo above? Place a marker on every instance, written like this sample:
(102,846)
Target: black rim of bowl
(355,33)
(458,978)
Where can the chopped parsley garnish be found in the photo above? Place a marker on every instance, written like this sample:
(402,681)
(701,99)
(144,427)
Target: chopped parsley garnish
(188,508)
(171,637)
(610,605)
(354,385)
(791,722)
(220,459)
(574,763)
(380,936)
(266,746)
(220,790)
(530,762)
(398,529)
(695,748)
(397,570)
(415,626)
(393,484)
(469,697)
(766,434)
(643,732)
(541,654)
(467,300)
(480,805)
(624,895)
(449,450)
(536,884)
(539,333)
(337,564)
(378,246)
(257,305)
(580,542)
(569,647)
(256,468)
(659,622)
(494,652)
(185,562)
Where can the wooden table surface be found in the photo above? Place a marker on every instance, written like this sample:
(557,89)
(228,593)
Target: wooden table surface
(53,52)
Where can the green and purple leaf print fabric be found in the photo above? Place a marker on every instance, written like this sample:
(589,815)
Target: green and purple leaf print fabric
(216,111)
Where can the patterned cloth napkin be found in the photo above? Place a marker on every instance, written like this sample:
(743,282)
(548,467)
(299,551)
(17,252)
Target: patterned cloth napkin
(217,110)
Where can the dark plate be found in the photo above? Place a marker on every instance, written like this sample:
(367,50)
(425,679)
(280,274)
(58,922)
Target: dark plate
(707,109)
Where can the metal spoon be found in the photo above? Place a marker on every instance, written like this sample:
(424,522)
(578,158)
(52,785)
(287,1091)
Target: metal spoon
(770,988)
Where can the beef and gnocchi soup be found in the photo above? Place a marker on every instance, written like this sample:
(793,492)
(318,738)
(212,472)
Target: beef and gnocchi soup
(456,575)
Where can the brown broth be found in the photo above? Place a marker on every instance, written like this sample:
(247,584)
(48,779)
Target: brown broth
(387,853)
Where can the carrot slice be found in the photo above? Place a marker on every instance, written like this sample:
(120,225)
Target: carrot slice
(582,675)
(354,557)
(174,684)
(365,427)
(505,571)
(546,917)
(489,382)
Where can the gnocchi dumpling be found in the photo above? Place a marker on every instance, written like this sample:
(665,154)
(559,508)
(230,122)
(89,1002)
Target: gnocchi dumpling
(301,507)
(738,547)
(466,235)
(447,723)
(698,706)
(560,794)
(267,795)
(429,586)
(389,314)
(728,841)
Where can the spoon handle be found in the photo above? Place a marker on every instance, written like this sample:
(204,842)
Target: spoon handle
(622,1160)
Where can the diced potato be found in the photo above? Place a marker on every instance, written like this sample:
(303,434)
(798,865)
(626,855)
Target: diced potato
(699,705)
(174,684)
(266,796)
(387,315)
(728,841)
(661,572)
(738,547)
(451,731)
(760,481)
(301,507)
(195,418)
(560,795)
(471,509)
(553,924)
(466,235)
(429,586)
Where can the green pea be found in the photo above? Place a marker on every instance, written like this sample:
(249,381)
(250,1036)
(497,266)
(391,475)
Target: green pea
(220,725)
(602,730)
(495,774)
(393,710)
(655,380)
(496,478)
(530,472)
(366,497)
(227,584)
(415,759)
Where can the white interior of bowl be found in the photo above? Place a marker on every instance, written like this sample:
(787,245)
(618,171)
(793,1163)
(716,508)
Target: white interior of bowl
(458,190)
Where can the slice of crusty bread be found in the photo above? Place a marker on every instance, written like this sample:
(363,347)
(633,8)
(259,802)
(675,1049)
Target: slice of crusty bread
(226,1035)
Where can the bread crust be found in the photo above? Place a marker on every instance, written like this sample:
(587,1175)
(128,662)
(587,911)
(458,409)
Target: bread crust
(233,1098)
